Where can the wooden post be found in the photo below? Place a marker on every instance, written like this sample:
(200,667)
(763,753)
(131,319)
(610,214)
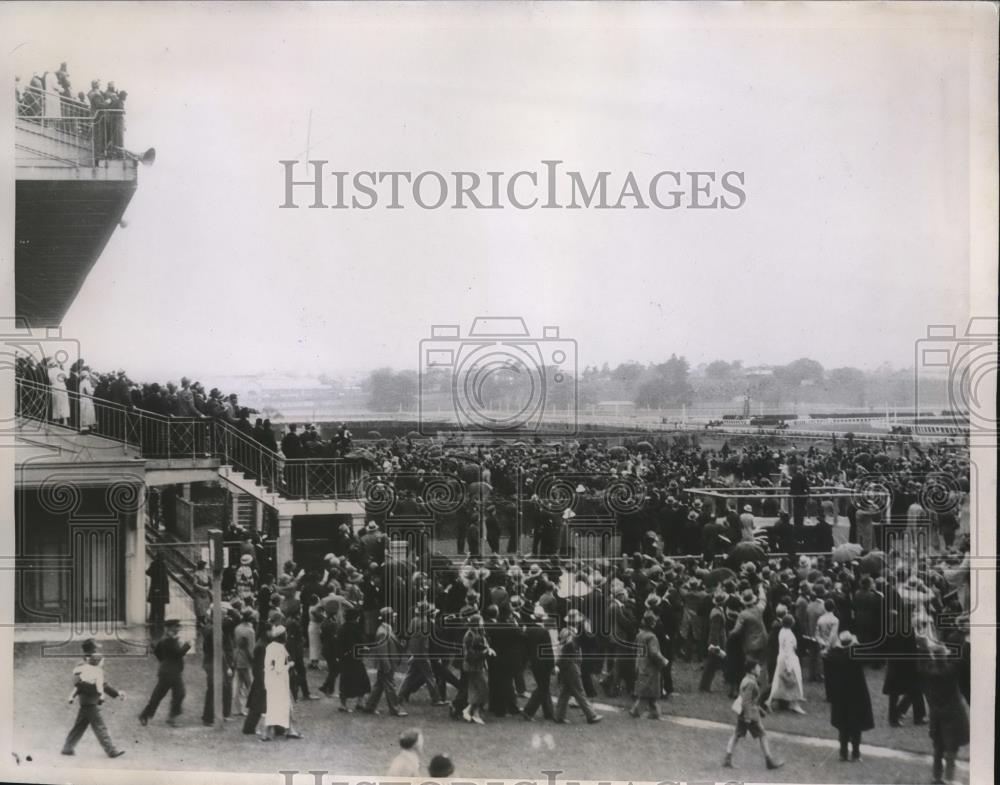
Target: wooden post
(215,548)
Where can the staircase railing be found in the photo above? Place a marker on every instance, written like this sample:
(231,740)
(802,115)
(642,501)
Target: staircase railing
(160,436)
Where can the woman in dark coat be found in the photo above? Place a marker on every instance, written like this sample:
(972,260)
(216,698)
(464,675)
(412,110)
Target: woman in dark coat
(949,725)
(354,681)
(850,703)
(902,680)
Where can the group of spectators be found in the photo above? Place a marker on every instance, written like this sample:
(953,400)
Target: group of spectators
(487,636)
(51,96)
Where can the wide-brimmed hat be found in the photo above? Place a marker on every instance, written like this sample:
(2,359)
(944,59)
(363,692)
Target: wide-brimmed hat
(847,638)
(539,613)
(246,558)
(747,508)
(372,526)
(534,571)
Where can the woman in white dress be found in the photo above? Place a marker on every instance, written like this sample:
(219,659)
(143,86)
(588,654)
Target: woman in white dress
(786,684)
(88,417)
(279,696)
(60,396)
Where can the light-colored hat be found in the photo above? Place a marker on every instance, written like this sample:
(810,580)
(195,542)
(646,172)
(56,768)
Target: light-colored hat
(539,613)
(568,514)
(747,508)
(847,638)
(580,488)
(574,616)
(246,558)
(372,526)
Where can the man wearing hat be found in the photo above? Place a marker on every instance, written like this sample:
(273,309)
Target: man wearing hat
(716,641)
(540,640)
(244,640)
(570,662)
(418,645)
(649,666)
(750,622)
(850,702)
(386,651)
(170,653)
(89,686)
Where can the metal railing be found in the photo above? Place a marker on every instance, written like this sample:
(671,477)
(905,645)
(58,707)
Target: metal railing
(159,436)
(83,135)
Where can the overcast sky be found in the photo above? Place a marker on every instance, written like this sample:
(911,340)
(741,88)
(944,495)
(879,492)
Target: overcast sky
(853,238)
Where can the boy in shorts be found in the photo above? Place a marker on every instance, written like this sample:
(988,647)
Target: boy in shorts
(748,717)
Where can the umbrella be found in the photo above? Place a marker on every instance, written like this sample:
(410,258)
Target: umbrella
(374,435)
(520,444)
(415,435)
(719,575)
(847,552)
(746,551)
(873,563)
(618,452)
(644,445)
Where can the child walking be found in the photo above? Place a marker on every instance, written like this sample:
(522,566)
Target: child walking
(748,714)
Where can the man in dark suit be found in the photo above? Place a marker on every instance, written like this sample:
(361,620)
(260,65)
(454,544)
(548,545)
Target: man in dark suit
(541,657)
(170,652)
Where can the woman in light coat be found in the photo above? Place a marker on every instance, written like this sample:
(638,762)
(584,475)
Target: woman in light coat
(60,396)
(786,684)
(88,416)
(277,664)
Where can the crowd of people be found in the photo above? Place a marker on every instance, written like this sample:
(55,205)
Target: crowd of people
(50,95)
(535,633)
(538,625)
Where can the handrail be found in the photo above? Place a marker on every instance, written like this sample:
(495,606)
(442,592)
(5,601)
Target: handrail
(98,133)
(168,436)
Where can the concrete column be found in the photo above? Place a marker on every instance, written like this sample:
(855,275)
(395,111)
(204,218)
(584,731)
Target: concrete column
(284,544)
(135,571)
(258,522)
(186,491)
(234,500)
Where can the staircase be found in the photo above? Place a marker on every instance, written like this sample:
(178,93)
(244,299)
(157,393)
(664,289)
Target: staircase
(246,511)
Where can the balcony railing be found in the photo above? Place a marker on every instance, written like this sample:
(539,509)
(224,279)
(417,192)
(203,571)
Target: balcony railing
(52,128)
(158,436)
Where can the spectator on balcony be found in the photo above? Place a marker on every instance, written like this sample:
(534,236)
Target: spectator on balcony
(60,396)
(185,400)
(267,436)
(62,77)
(213,406)
(231,408)
(88,415)
(290,444)
(115,104)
